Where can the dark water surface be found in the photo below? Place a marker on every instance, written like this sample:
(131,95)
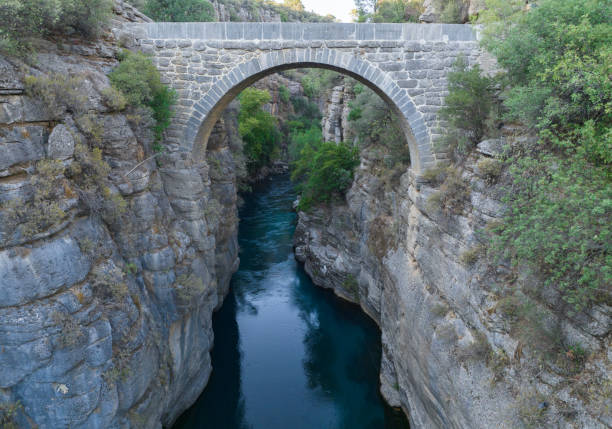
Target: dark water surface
(287,354)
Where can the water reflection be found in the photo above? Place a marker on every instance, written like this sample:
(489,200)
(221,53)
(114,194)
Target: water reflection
(287,354)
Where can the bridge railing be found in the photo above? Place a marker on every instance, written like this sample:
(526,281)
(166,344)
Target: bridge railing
(305,31)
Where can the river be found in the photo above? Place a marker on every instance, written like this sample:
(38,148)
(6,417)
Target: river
(287,354)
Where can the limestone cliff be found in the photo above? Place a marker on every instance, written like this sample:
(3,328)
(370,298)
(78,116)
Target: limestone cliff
(105,313)
(449,359)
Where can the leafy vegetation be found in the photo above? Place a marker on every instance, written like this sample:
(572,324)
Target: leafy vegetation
(21,21)
(376,125)
(139,81)
(8,414)
(469,107)
(388,10)
(324,171)
(257,128)
(558,62)
(180,10)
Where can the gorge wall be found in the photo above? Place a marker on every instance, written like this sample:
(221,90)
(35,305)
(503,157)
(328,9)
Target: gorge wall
(450,358)
(105,316)
(105,321)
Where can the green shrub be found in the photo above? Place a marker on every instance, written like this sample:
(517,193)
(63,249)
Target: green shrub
(139,81)
(58,92)
(376,125)
(490,169)
(8,414)
(450,11)
(114,99)
(558,65)
(23,20)
(188,288)
(453,195)
(470,256)
(71,333)
(468,105)
(43,210)
(180,10)
(324,172)
(257,128)
(284,94)
(351,285)
(388,10)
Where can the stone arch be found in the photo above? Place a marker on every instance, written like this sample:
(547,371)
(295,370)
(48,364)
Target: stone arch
(207,111)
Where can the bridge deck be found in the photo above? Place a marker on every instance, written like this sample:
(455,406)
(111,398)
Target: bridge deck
(306,31)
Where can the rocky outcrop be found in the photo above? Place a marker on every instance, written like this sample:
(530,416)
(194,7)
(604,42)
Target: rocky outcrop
(465,9)
(252,11)
(105,311)
(335,112)
(449,358)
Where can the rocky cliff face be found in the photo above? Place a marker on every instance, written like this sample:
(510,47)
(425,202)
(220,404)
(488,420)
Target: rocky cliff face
(105,315)
(449,359)
(335,111)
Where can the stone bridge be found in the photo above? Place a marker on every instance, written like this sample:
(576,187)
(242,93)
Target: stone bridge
(210,63)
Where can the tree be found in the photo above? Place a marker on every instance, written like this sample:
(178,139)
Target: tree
(257,128)
(180,10)
(294,4)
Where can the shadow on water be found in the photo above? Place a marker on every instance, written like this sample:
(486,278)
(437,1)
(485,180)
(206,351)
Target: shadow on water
(288,354)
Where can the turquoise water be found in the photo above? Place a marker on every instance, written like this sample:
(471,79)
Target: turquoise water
(287,355)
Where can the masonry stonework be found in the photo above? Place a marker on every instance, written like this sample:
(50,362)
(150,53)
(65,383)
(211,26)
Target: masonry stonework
(210,63)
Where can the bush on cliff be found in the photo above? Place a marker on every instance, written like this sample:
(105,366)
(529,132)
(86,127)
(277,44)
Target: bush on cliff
(469,105)
(24,20)
(140,82)
(180,10)
(558,59)
(257,128)
(324,172)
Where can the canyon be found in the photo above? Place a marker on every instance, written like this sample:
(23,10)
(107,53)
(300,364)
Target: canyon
(105,320)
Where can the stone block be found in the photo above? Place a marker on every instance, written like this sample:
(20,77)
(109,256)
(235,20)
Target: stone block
(234,30)
(253,30)
(388,31)
(61,143)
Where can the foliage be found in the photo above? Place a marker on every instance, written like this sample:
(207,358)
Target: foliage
(470,256)
(490,169)
(58,92)
(70,331)
(189,287)
(257,128)
(557,58)
(139,81)
(284,94)
(453,194)
(180,10)
(559,224)
(388,10)
(43,210)
(377,125)
(8,414)
(316,81)
(450,11)
(24,20)
(294,4)
(114,99)
(324,171)
(468,104)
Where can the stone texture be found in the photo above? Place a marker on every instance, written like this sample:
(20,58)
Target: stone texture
(238,54)
(61,143)
(400,260)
